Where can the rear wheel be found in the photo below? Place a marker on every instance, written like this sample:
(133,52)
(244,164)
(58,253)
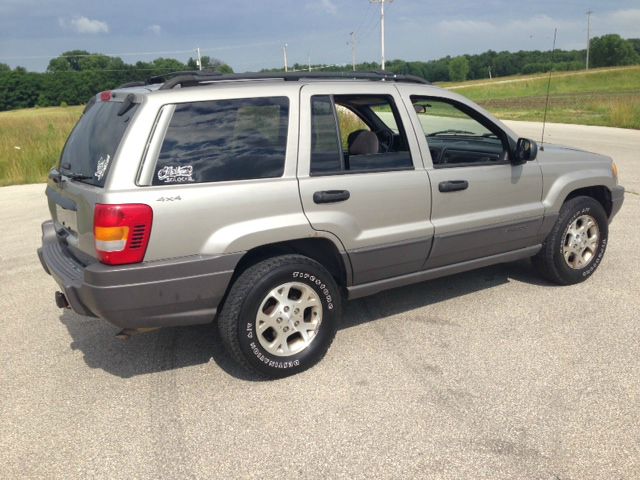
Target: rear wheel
(575,247)
(280,316)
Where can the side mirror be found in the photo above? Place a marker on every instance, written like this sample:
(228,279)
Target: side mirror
(526,150)
(420,108)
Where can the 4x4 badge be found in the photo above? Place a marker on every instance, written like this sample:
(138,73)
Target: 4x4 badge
(169,199)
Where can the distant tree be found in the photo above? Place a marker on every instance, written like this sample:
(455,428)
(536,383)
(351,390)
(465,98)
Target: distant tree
(635,43)
(612,50)
(458,69)
(4,68)
(209,63)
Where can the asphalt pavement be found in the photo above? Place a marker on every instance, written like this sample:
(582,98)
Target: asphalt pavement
(488,374)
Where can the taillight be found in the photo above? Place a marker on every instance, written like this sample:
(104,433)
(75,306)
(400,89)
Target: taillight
(105,96)
(122,232)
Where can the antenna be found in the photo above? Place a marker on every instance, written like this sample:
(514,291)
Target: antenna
(546,104)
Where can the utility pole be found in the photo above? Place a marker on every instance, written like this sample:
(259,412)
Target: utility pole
(353,50)
(309,62)
(284,52)
(381,2)
(589,13)
(199,59)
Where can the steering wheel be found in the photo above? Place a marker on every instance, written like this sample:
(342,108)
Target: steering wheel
(385,139)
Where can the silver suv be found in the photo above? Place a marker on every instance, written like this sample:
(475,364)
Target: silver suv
(266,200)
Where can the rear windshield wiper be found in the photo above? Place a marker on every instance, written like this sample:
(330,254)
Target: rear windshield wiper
(76,176)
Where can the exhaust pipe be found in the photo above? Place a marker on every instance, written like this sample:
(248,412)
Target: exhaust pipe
(127,333)
(61,300)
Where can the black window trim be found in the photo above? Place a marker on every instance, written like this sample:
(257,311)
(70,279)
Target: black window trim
(478,117)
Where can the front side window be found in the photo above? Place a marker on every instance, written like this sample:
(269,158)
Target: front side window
(456,138)
(223,140)
(355,134)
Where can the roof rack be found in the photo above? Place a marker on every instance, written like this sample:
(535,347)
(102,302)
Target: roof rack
(194,78)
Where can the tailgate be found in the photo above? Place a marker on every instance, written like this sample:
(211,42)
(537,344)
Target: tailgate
(77,184)
(71,206)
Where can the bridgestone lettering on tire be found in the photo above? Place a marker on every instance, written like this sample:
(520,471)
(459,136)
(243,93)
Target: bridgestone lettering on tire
(280,316)
(575,247)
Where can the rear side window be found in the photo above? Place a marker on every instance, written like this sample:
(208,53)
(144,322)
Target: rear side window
(224,140)
(326,155)
(93,143)
(357,134)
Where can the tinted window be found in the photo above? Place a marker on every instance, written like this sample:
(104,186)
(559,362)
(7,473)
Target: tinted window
(93,143)
(224,140)
(325,144)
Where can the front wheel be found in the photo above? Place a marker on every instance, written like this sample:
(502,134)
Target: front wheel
(575,247)
(280,316)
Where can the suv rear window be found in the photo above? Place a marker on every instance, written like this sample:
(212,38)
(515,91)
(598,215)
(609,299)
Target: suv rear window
(93,143)
(223,140)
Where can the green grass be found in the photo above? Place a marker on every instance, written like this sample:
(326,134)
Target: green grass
(608,97)
(31,141)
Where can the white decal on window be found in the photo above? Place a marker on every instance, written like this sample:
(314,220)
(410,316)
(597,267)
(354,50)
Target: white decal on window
(101,167)
(181,174)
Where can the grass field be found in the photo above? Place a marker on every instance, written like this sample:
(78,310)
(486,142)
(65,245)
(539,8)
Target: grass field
(31,140)
(608,97)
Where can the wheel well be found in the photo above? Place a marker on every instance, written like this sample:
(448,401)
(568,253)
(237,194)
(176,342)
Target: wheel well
(321,250)
(599,193)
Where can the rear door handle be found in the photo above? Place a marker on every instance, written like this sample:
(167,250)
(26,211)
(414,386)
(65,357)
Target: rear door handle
(331,196)
(453,185)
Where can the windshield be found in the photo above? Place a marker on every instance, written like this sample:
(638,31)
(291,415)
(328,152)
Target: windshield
(93,143)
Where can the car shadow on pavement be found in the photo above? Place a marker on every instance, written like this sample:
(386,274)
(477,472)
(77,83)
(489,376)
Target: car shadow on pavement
(175,348)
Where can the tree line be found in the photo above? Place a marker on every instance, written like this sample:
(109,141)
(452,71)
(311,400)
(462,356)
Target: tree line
(75,76)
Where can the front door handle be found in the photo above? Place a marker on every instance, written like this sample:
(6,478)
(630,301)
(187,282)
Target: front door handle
(331,196)
(453,185)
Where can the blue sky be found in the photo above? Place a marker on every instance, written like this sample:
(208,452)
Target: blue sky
(249,35)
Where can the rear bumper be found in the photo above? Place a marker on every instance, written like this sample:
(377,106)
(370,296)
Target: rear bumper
(617,198)
(185,291)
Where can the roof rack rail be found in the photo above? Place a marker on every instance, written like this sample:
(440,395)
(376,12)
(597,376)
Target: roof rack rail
(191,79)
(132,84)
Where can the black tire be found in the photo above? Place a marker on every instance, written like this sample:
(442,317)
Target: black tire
(550,261)
(237,320)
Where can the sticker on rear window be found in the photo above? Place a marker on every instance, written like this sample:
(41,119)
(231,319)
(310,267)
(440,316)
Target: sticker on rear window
(178,174)
(101,167)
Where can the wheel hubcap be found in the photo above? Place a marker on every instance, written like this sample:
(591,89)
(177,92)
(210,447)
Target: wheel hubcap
(581,242)
(288,319)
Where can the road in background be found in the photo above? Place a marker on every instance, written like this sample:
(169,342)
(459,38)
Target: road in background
(488,374)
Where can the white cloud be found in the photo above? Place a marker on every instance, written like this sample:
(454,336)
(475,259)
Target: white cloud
(329,7)
(464,27)
(81,24)
(155,29)
(325,6)
(623,22)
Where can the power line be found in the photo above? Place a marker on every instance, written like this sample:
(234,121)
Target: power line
(129,54)
(366,19)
